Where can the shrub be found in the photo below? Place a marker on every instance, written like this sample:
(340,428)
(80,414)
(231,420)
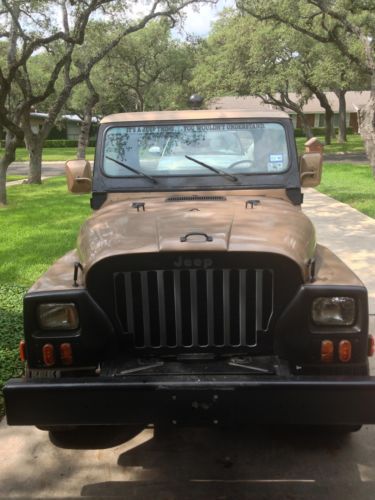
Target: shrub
(64,143)
(298,132)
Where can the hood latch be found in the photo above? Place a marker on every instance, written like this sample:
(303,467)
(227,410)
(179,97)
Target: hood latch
(253,203)
(138,205)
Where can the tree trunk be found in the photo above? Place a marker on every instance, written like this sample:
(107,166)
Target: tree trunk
(306,127)
(323,101)
(329,131)
(84,135)
(34,145)
(367,126)
(5,161)
(342,115)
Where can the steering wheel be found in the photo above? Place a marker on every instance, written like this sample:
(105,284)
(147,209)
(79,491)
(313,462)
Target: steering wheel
(250,162)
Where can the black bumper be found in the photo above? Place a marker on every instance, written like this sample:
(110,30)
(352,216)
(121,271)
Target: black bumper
(191,401)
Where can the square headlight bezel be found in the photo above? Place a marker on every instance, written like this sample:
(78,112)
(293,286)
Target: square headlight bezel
(338,302)
(49,307)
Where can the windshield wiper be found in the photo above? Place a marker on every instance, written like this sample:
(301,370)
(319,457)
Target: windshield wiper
(134,170)
(213,169)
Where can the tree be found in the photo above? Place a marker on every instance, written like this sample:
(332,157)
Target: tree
(29,27)
(243,56)
(147,70)
(347,25)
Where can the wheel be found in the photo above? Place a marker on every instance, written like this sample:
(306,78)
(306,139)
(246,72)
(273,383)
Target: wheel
(92,437)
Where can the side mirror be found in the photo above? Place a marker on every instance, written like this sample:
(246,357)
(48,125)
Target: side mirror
(78,176)
(311,169)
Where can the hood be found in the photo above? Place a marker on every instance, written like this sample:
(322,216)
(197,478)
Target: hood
(272,226)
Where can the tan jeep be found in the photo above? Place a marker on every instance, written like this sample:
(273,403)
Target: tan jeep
(197,293)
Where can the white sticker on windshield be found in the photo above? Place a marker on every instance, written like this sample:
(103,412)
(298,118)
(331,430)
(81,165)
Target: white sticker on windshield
(276,158)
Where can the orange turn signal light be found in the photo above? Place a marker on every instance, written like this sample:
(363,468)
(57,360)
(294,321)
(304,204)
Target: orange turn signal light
(48,355)
(371,345)
(326,351)
(66,354)
(345,351)
(22,350)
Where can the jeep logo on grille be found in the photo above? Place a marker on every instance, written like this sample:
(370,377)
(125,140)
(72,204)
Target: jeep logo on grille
(192,262)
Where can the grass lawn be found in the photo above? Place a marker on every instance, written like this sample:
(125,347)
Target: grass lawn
(53,154)
(354,145)
(38,226)
(350,183)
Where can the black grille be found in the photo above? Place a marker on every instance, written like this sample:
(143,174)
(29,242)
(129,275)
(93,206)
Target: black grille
(194,308)
(196,198)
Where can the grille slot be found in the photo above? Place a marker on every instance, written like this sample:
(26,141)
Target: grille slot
(196,198)
(194,308)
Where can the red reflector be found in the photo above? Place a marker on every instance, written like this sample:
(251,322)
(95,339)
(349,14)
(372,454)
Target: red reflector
(48,355)
(66,355)
(326,351)
(371,345)
(345,351)
(22,350)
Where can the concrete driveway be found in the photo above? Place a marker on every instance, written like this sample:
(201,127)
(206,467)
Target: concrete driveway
(253,463)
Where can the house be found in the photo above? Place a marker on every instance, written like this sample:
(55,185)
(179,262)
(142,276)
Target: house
(68,126)
(315,114)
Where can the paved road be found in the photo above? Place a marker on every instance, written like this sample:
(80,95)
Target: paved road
(48,168)
(223,464)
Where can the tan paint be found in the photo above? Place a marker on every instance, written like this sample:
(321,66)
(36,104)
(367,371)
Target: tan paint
(274,226)
(332,270)
(78,176)
(59,276)
(190,114)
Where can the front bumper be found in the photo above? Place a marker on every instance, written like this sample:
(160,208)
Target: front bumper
(185,400)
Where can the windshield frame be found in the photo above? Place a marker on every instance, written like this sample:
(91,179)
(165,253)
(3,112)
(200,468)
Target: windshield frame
(202,180)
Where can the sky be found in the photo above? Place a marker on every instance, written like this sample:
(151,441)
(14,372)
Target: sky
(198,23)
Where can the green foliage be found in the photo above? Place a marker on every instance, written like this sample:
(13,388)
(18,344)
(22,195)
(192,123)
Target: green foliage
(350,183)
(148,70)
(65,143)
(298,132)
(244,56)
(57,133)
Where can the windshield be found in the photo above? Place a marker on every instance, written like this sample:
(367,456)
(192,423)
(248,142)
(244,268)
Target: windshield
(191,149)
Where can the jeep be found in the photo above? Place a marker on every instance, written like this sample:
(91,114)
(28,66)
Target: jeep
(197,294)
